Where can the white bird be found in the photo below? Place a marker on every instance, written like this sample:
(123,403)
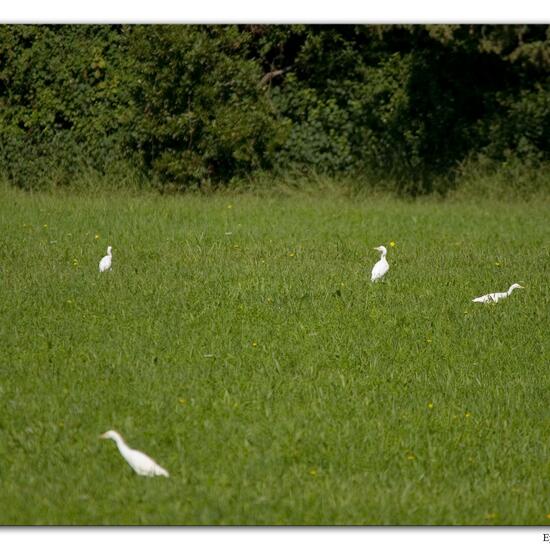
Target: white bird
(496,296)
(140,462)
(381,266)
(105,263)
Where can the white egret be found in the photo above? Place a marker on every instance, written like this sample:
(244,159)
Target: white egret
(381,266)
(140,462)
(496,296)
(105,263)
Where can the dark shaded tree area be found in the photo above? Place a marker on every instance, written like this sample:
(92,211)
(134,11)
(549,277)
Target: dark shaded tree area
(188,105)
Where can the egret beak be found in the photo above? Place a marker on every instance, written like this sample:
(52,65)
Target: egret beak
(103,436)
(519,286)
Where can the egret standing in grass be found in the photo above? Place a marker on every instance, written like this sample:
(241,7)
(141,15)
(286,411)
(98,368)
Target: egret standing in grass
(140,462)
(105,263)
(496,296)
(381,266)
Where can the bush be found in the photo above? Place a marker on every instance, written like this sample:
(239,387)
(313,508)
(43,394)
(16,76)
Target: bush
(521,130)
(198,112)
(407,106)
(61,101)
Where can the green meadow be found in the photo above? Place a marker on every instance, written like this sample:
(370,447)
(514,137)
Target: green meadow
(239,341)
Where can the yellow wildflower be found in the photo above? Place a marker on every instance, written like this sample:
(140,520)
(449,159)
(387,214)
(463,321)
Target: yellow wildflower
(430,405)
(392,243)
(313,472)
(96,237)
(254,344)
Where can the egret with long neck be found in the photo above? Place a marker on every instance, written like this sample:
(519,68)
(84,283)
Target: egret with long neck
(381,266)
(496,296)
(105,263)
(142,464)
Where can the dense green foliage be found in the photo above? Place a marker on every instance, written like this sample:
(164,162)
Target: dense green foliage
(239,341)
(414,106)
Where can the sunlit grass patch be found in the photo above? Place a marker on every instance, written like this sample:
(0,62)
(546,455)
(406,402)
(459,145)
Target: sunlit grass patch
(264,370)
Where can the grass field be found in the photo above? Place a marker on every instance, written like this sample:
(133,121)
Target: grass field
(239,341)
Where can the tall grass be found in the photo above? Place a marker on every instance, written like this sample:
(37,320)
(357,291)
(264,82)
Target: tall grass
(476,178)
(239,341)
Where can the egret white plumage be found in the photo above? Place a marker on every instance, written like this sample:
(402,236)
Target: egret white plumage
(496,296)
(381,266)
(105,263)
(142,464)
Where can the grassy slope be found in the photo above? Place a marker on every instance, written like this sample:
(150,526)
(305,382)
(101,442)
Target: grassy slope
(263,370)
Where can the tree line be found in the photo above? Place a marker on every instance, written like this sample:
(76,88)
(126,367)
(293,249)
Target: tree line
(184,106)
